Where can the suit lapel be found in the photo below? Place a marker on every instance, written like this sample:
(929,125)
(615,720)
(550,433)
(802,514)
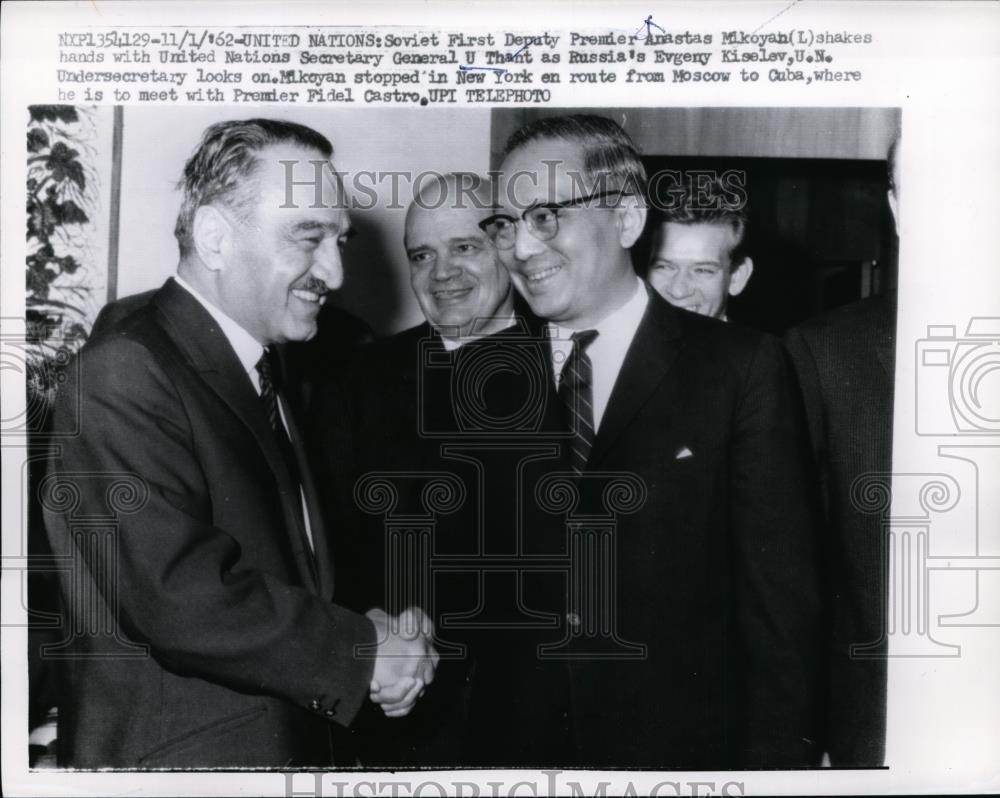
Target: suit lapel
(196,333)
(650,356)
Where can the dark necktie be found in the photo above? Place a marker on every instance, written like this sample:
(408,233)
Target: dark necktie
(577,396)
(268,372)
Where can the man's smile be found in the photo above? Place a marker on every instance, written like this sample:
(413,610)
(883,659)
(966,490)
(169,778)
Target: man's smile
(451,295)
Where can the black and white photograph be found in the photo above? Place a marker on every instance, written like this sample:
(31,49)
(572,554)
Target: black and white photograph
(499,441)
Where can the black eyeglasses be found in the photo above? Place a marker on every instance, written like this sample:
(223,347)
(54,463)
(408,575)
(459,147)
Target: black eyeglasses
(542,220)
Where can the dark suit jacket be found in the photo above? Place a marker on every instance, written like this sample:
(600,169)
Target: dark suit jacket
(714,573)
(845,363)
(715,570)
(206,632)
(395,412)
(306,364)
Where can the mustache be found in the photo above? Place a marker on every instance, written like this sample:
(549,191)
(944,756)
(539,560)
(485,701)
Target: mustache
(315,285)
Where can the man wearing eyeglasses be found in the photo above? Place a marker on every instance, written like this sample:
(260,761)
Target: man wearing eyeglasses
(708,611)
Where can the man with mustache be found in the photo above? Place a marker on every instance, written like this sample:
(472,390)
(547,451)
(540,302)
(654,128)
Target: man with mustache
(304,365)
(686,637)
(209,637)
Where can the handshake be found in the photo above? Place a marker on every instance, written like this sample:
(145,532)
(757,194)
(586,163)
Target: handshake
(405,660)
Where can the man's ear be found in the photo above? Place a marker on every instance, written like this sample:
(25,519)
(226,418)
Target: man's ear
(740,277)
(631,220)
(212,237)
(894,207)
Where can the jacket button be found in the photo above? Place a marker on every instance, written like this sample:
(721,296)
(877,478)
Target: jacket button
(314,705)
(573,619)
(330,712)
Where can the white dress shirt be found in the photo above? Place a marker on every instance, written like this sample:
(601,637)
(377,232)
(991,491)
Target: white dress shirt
(607,352)
(249,351)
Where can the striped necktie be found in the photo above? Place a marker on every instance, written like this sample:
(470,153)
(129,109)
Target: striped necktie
(268,372)
(268,390)
(577,396)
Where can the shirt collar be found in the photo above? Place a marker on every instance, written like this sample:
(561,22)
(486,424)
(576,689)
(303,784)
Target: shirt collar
(608,351)
(620,326)
(248,349)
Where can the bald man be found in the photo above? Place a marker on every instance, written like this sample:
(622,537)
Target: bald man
(463,289)
(394,412)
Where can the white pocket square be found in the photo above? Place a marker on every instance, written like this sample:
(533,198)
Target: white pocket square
(683,453)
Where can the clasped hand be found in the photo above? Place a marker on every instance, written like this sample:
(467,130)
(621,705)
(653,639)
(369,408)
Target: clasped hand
(405,660)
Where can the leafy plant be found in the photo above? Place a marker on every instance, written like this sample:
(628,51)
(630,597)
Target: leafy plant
(61,199)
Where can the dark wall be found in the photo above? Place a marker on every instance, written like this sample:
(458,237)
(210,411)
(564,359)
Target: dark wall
(820,234)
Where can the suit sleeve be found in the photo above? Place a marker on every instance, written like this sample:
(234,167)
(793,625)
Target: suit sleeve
(775,523)
(180,584)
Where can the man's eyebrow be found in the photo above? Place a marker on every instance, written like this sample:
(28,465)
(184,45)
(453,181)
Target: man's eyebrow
(311,225)
(411,251)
